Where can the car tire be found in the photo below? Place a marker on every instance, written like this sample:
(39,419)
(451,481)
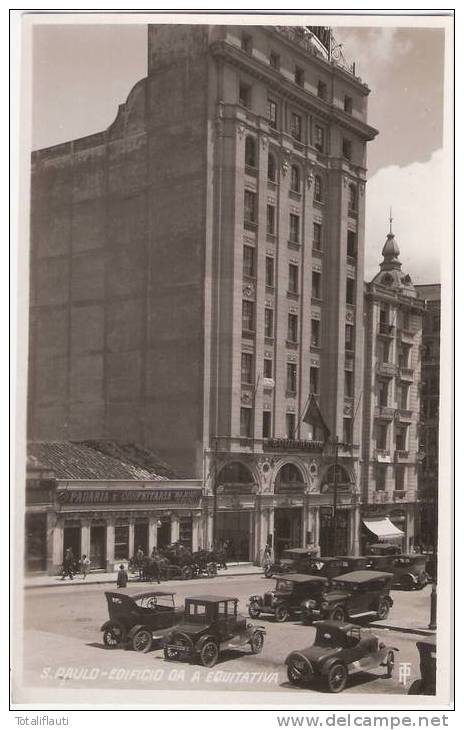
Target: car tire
(112,637)
(142,641)
(187,572)
(383,610)
(337,614)
(254,610)
(390,663)
(209,654)
(281,614)
(297,676)
(257,642)
(337,677)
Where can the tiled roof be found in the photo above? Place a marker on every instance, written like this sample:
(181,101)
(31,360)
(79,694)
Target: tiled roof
(99,460)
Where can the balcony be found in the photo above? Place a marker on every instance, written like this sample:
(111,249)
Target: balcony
(384,412)
(388,369)
(406,373)
(250,170)
(404,495)
(404,414)
(385,330)
(250,225)
(383,456)
(379,497)
(402,456)
(284,444)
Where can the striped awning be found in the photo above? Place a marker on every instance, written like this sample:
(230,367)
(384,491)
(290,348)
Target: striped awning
(383,528)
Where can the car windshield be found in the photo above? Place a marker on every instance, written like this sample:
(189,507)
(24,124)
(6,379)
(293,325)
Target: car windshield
(284,585)
(155,601)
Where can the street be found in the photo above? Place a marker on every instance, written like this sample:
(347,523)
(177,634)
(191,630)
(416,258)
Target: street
(63,644)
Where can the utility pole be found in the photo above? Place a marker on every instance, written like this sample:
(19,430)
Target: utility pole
(335,496)
(215,489)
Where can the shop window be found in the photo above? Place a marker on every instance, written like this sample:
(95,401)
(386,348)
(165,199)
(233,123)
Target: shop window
(121,541)
(292,333)
(245,422)
(269,271)
(250,152)
(271,168)
(248,261)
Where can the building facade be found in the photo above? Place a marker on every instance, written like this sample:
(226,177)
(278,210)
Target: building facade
(197,273)
(391,455)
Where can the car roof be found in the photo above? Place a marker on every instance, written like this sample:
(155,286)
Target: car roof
(211,599)
(151,594)
(334,626)
(301,578)
(359,576)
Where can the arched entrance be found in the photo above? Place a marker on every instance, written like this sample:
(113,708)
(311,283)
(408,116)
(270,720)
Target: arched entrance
(337,475)
(288,521)
(234,527)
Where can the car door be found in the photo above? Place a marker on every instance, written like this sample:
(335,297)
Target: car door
(358,601)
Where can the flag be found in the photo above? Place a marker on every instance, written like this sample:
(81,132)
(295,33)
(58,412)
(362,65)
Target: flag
(314,418)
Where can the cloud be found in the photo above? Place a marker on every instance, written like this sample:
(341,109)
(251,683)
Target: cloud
(418,195)
(373,49)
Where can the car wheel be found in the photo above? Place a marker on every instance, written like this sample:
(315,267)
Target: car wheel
(209,654)
(336,677)
(407,583)
(281,614)
(112,637)
(142,641)
(178,640)
(186,573)
(390,663)
(383,610)
(338,614)
(257,642)
(211,570)
(298,672)
(254,610)
(268,571)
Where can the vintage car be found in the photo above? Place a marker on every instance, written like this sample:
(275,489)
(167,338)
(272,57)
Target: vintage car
(287,598)
(383,548)
(210,624)
(293,560)
(409,571)
(427,684)
(360,594)
(333,567)
(138,620)
(339,649)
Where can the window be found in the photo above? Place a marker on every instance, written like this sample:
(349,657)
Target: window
(290,425)
(267,367)
(319,138)
(245,422)
(352,199)
(348,105)
(244,95)
(295,126)
(271,168)
(299,76)
(314,380)
(349,383)
(403,355)
(399,477)
(315,333)
(351,244)
(403,396)
(295,179)
(318,194)
(381,436)
(383,393)
(249,206)
(346,149)
(266,424)
(317,236)
(268,322)
(316,285)
(291,377)
(348,430)
(247,367)
(385,351)
(248,316)
(350,291)
(292,334)
(322,90)
(269,271)
(250,152)
(246,43)
(274,60)
(349,337)
(272,113)
(121,542)
(380,477)
(248,261)
(293,278)
(270,220)
(294,228)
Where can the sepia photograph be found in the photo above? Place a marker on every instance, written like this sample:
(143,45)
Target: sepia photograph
(233,464)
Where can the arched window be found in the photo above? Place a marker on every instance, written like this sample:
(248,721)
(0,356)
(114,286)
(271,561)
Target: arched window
(339,474)
(250,152)
(352,199)
(271,168)
(235,476)
(289,477)
(318,192)
(295,179)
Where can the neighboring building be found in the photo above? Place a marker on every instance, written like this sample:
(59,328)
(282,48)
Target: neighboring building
(393,337)
(103,500)
(197,272)
(430,410)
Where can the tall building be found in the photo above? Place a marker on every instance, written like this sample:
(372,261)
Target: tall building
(393,338)
(430,410)
(197,273)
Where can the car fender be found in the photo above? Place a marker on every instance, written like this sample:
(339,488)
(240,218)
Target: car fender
(136,628)
(301,656)
(326,665)
(253,628)
(203,639)
(108,624)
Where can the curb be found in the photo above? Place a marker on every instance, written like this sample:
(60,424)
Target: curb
(405,629)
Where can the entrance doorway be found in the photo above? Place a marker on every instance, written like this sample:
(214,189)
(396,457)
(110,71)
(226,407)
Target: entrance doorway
(287,529)
(72,539)
(98,546)
(36,542)
(233,533)
(141,536)
(326,532)
(164,533)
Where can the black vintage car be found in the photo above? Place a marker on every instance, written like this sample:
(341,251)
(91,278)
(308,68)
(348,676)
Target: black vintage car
(138,620)
(383,548)
(340,564)
(339,649)
(293,560)
(287,598)
(427,684)
(409,571)
(363,593)
(210,624)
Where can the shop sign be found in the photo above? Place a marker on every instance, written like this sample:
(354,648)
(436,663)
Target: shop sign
(158,496)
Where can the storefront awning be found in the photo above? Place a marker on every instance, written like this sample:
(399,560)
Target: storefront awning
(383,528)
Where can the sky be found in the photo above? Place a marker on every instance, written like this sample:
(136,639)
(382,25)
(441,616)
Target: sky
(82,73)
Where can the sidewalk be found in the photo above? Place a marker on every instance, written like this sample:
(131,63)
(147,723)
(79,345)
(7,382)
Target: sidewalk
(95,578)
(408,626)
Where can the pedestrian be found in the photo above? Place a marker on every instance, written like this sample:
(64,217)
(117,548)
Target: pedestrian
(139,560)
(85,566)
(122,577)
(267,557)
(68,564)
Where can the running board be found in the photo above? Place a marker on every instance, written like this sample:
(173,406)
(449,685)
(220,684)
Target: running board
(364,613)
